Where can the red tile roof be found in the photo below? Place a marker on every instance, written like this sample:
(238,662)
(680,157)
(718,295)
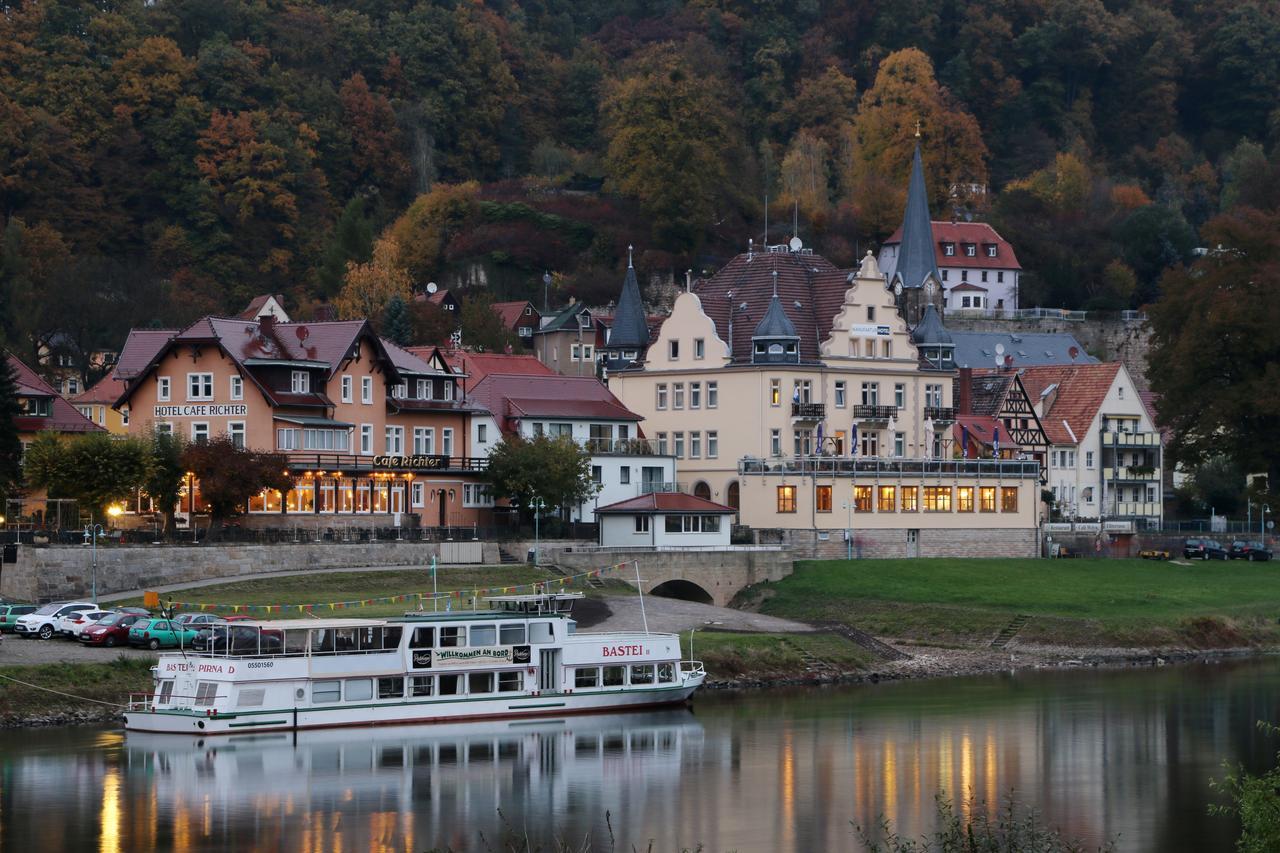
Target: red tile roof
(959,233)
(1080,392)
(981,429)
(478,365)
(511,313)
(139,348)
(63,417)
(655,502)
(810,280)
(255,305)
(105,391)
(511,397)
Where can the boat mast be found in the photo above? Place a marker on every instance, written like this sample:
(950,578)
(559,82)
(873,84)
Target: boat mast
(640,589)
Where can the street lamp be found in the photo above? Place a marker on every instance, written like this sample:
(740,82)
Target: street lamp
(114,512)
(537,505)
(1262,524)
(546,288)
(91,534)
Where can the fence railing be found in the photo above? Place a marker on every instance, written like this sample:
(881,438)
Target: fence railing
(623,447)
(1046,314)
(874,413)
(809,411)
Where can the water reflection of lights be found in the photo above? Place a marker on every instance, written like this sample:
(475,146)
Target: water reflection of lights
(109,813)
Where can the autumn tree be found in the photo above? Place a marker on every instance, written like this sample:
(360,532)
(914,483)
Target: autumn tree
(1215,347)
(229,475)
(557,470)
(423,231)
(95,469)
(376,155)
(805,177)
(369,287)
(482,328)
(884,130)
(673,142)
(165,472)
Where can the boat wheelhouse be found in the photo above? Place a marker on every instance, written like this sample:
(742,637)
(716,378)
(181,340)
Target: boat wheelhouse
(523,656)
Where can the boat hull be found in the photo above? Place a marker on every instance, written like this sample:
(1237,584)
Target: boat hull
(407,713)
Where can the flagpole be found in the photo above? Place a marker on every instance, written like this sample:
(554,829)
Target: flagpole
(435,596)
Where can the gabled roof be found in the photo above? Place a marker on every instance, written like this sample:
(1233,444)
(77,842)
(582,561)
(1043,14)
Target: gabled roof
(980,429)
(662,502)
(745,287)
(916,261)
(478,365)
(987,390)
(629,329)
(105,391)
(63,417)
(410,362)
(958,233)
(512,313)
(566,317)
(512,397)
(139,348)
(1028,349)
(255,305)
(1080,392)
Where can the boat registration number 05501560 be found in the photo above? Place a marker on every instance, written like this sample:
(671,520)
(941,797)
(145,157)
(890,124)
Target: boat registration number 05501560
(260,664)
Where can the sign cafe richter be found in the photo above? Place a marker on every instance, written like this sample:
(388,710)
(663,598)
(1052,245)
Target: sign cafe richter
(207,410)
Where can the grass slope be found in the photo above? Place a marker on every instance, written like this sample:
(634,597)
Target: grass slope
(728,655)
(110,681)
(1078,602)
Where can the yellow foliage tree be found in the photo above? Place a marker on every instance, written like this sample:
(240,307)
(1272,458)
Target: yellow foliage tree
(1064,187)
(883,133)
(367,288)
(424,229)
(806,176)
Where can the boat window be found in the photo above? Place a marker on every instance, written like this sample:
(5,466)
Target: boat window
(423,638)
(321,641)
(326,691)
(251,698)
(391,688)
(166,691)
(642,674)
(422,685)
(205,693)
(451,685)
(480,682)
(510,682)
(666,673)
(295,642)
(614,676)
(359,689)
(540,632)
(344,639)
(484,635)
(586,676)
(572,627)
(450,637)
(391,638)
(511,635)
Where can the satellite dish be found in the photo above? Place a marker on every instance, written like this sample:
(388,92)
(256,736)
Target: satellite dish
(999,359)
(999,349)
(302,332)
(1074,352)
(431,287)
(796,244)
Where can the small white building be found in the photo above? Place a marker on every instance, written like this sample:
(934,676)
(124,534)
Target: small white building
(665,519)
(979,268)
(624,464)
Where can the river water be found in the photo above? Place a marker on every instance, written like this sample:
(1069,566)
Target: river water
(1124,755)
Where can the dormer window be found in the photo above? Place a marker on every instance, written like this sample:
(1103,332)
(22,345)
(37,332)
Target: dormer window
(300,382)
(448,390)
(424,389)
(584,319)
(775,349)
(991,250)
(970,250)
(528,311)
(949,249)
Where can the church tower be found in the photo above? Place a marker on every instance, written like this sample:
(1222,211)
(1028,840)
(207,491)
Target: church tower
(629,335)
(916,281)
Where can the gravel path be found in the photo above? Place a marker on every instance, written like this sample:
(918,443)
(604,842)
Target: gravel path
(19,651)
(671,614)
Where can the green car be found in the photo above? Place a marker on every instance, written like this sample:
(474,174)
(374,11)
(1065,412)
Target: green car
(161,634)
(9,614)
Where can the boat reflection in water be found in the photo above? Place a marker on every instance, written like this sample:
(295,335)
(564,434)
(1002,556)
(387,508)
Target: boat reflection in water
(409,787)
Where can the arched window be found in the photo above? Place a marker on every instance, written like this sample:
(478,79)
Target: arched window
(702,490)
(731,495)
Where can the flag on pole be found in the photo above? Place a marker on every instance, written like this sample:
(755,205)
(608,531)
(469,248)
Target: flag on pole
(964,442)
(995,441)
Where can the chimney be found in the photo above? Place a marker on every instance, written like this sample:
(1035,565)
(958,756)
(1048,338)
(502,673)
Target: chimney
(965,403)
(267,323)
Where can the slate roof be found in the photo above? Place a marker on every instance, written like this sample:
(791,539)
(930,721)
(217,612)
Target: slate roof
(979,233)
(566,317)
(656,502)
(1080,392)
(930,329)
(63,417)
(987,391)
(630,328)
(811,280)
(916,261)
(412,362)
(978,349)
(513,396)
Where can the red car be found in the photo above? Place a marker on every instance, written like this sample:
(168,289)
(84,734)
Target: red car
(113,630)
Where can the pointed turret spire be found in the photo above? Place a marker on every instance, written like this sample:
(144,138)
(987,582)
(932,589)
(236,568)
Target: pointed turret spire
(629,334)
(916,258)
(775,340)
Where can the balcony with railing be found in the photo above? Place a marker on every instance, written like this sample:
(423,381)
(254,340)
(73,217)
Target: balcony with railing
(873,467)
(1132,474)
(1112,439)
(809,411)
(349,463)
(623,447)
(939,414)
(1135,509)
(874,413)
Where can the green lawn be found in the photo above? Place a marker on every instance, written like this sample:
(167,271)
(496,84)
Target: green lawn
(729,655)
(327,587)
(1085,602)
(111,681)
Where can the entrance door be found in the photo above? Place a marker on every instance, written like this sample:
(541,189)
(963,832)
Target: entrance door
(913,543)
(549,671)
(442,498)
(397,500)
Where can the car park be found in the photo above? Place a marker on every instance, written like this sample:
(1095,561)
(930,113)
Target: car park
(1203,549)
(160,634)
(9,614)
(1247,549)
(43,623)
(73,623)
(113,629)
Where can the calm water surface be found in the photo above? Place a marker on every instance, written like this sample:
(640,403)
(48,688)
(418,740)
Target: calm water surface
(1116,754)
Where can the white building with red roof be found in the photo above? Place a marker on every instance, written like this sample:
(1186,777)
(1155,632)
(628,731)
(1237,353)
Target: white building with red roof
(979,268)
(665,520)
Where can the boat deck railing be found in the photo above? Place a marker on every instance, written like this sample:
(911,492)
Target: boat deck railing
(692,667)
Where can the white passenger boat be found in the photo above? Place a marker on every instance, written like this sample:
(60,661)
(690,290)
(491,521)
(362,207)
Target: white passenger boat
(522,657)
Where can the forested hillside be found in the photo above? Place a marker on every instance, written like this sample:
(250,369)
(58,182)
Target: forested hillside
(166,158)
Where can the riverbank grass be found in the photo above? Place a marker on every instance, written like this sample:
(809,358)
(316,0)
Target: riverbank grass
(730,655)
(110,681)
(1072,602)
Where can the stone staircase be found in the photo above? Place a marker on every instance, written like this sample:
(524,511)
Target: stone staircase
(811,662)
(506,558)
(1008,632)
(594,583)
(864,640)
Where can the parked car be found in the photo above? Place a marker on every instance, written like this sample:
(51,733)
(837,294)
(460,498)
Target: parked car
(160,634)
(243,640)
(1243,549)
(9,614)
(73,623)
(197,619)
(203,640)
(113,629)
(1203,549)
(43,623)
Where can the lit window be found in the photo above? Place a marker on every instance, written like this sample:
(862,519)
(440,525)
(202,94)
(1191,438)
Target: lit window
(775,392)
(937,499)
(987,498)
(1008,498)
(862,498)
(822,498)
(964,499)
(786,498)
(887,501)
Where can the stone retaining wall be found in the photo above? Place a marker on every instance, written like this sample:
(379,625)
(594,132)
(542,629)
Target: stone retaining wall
(880,544)
(721,574)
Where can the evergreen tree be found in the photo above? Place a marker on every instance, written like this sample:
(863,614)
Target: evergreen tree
(352,241)
(397,325)
(10,447)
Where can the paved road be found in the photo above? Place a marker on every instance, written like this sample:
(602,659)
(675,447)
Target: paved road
(670,614)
